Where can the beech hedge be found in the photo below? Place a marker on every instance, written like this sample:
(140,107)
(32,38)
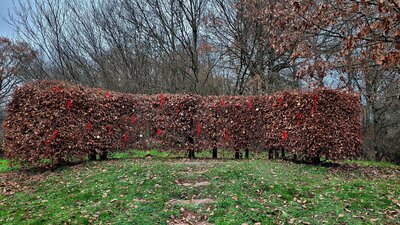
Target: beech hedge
(60,122)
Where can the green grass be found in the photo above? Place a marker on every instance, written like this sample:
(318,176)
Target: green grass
(139,154)
(167,155)
(365,163)
(138,191)
(4,167)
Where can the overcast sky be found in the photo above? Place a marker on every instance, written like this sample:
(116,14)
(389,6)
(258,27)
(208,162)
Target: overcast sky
(5,29)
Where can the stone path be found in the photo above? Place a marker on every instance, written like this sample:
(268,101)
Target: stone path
(188,217)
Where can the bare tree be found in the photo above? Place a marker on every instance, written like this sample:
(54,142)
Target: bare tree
(248,54)
(176,26)
(14,58)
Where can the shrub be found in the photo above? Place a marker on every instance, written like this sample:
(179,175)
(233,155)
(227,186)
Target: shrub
(59,122)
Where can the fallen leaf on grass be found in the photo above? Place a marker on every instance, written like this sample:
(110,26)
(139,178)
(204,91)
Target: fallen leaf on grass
(397,202)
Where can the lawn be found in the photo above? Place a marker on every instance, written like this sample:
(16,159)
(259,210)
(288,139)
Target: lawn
(133,190)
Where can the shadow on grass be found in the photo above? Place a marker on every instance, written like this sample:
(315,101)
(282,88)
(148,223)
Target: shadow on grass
(206,155)
(327,164)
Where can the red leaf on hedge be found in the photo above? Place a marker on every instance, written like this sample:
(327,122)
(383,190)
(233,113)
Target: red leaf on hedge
(69,104)
(89,125)
(198,129)
(52,136)
(162,98)
(249,104)
(56,88)
(222,102)
(158,132)
(226,134)
(178,108)
(133,119)
(108,95)
(315,99)
(284,135)
(299,118)
(126,137)
(280,100)
(109,129)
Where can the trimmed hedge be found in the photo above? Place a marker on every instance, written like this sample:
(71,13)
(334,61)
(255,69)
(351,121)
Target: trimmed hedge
(52,120)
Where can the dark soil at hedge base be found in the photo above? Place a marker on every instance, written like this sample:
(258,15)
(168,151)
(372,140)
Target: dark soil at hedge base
(54,122)
(150,191)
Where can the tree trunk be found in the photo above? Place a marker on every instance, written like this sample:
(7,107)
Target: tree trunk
(191,154)
(214,153)
(270,153)
(246,153)
(92,155)
(103,155)
(316,160)
(237,154)
(276,153)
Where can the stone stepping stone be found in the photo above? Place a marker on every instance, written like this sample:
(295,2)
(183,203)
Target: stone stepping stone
(191,202)
(198,184)
(191,223)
